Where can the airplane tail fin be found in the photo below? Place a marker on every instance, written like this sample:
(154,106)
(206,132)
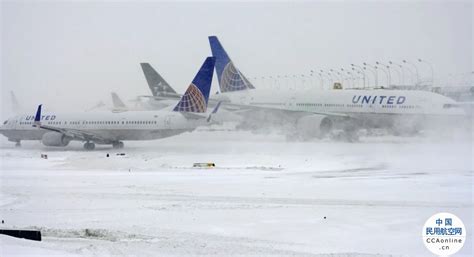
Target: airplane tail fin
(157,84)
(118,103)
(197,95)
(37,121)
(15,104)
(230,78)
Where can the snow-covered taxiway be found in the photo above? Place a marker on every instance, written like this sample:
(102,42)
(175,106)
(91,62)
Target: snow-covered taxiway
(266,196)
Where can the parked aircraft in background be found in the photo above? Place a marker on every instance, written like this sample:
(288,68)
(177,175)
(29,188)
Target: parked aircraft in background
(314,113)
(118,104)
(157,84)
(55,129)
(163,94)
(16,107)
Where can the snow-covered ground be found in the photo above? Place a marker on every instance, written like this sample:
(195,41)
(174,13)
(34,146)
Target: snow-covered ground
(266,196)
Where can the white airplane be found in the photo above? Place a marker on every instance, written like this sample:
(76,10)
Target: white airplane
(316,112)
(55,129)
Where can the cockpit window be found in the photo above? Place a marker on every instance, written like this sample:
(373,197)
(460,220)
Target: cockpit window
(5,122)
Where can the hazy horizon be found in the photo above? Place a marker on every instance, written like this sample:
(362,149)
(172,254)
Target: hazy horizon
(71,55)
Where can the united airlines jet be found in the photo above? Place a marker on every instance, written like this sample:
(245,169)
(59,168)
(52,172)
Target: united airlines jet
(316,112)
(55,129)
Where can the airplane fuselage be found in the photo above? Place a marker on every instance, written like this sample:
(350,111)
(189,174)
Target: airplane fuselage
(349,102)
(397,110)
(108,125)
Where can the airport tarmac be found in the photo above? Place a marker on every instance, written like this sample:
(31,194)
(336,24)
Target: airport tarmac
(266,196)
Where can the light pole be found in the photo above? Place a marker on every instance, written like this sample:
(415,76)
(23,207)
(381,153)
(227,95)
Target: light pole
(321,80)
(278,82)
(352,78)
(363,76)
(431,68)
(385,66)
(327,76)
(374,70)
(344,78)
(341,77)
(412,73)
(401,75)
(287,81)
(332,79)
(313,78)
(361,71)
(334,72)
(416,71)
(384,71)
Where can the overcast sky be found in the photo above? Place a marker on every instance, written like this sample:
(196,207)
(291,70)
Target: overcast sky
(72,55)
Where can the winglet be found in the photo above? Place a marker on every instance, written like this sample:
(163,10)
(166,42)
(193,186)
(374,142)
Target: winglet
(230,78)
(38,116)
(216,108)
(214,111)
(197,95)
(157,84)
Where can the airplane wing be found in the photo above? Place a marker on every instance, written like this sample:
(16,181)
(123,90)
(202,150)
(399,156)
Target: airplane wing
(163,97)
(246,108)
(75,134)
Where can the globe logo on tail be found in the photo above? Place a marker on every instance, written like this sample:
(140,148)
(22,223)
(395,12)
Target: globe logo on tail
(192,101)
(232,79)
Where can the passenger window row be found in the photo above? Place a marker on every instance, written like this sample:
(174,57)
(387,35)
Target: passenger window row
(96,122)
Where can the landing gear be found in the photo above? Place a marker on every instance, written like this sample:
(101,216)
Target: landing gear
(89,146)
(18,144)
(117,145)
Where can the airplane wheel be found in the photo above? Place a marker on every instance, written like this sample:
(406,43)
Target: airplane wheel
(89,146)
(18,144)
(120,144)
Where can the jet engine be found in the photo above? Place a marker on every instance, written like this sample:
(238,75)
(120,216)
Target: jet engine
(313,126)
(55,139)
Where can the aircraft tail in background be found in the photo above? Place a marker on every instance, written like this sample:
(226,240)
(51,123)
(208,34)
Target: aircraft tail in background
(230,78)
(15,104)
(157,84)
(117,102)
(196,97)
